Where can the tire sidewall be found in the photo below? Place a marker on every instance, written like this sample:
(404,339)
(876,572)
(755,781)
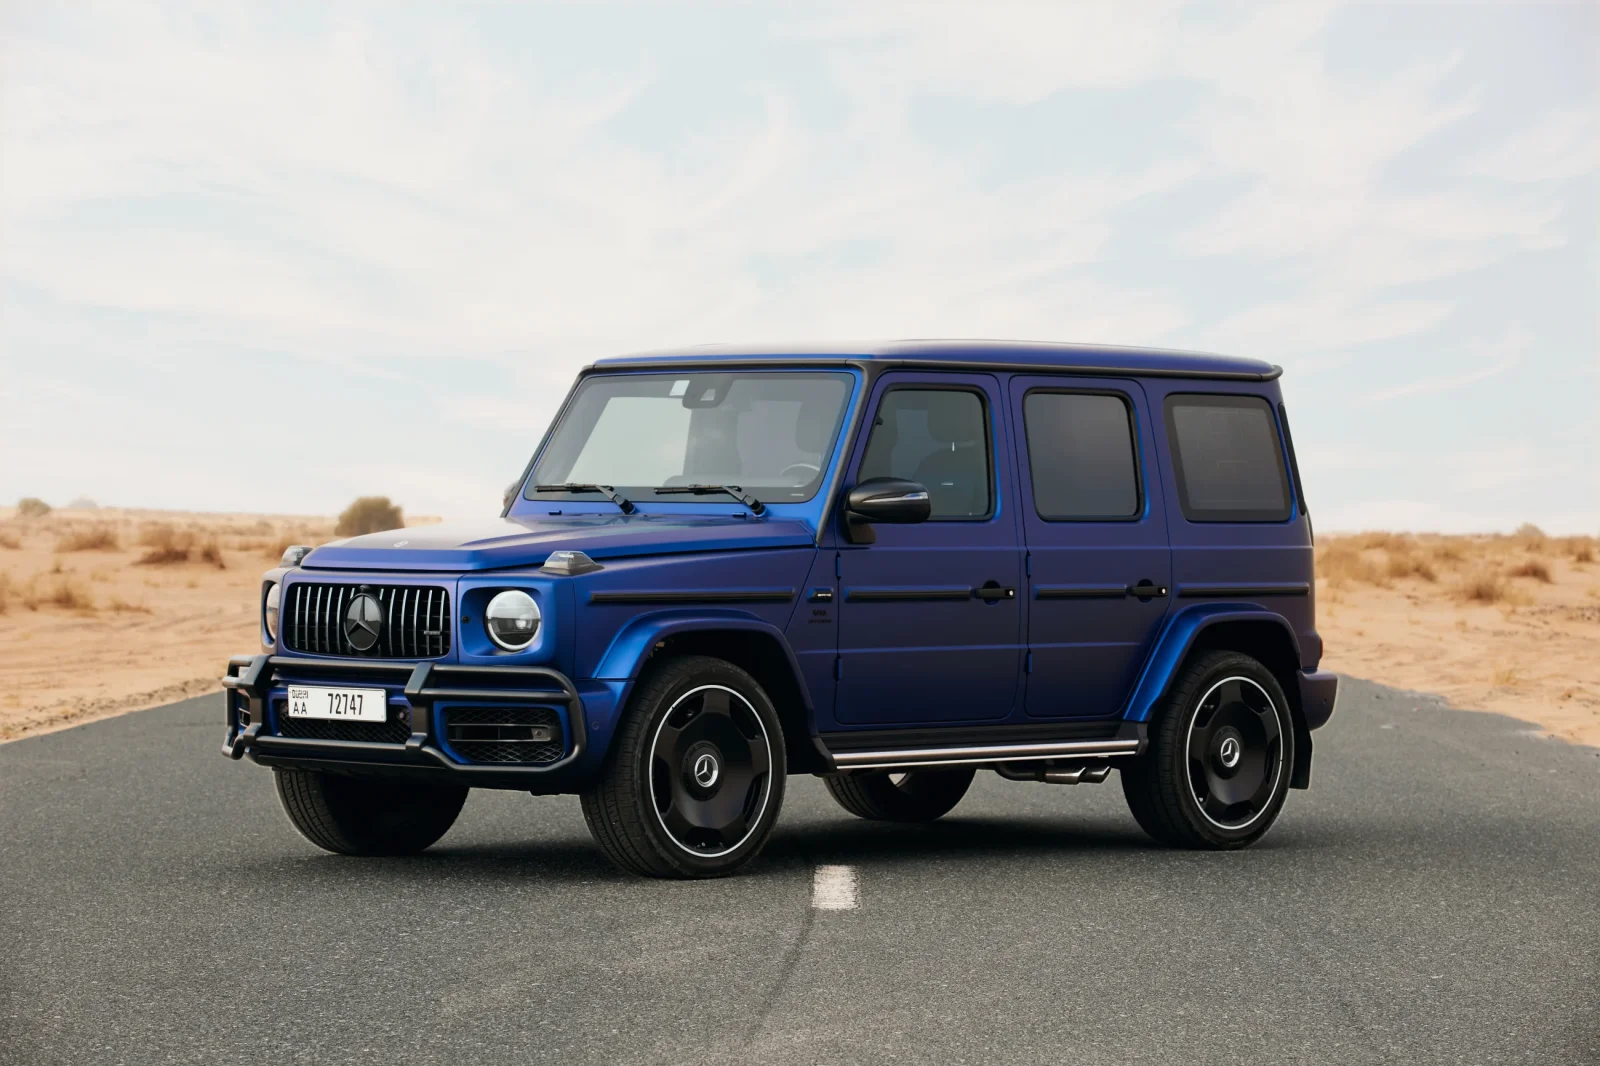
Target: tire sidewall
(694,674)
(1235,665)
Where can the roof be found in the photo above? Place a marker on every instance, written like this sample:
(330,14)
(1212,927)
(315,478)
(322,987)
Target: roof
(1025,355)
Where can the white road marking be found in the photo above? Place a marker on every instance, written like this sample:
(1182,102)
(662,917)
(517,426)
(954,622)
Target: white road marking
(835,888)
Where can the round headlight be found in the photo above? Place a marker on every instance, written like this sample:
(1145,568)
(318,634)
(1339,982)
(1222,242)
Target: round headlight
(269,613)
(512,620)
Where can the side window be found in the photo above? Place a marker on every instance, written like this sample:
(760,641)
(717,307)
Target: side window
(1227,459)
(940,438)
(1081,455)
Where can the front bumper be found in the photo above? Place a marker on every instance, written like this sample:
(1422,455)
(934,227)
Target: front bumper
(251,718)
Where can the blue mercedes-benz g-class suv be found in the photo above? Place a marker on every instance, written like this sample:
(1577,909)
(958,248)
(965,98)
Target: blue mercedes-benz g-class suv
(889,565)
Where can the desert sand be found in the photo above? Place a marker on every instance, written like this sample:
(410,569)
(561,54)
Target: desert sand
(108,611)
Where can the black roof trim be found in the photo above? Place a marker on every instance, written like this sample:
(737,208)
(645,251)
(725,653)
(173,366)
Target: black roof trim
(878,365)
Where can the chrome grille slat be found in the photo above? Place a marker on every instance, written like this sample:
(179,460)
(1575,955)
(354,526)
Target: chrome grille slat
(316,613)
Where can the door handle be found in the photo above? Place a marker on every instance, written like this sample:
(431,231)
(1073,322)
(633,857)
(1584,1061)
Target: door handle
(1146,590)
(994,593)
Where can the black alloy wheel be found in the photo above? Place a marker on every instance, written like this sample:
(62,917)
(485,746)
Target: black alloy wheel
(1217,769)
(1235,752)
(710,766)
(695,777)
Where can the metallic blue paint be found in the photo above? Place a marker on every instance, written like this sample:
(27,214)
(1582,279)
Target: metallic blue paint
(1177,636)
(846,655)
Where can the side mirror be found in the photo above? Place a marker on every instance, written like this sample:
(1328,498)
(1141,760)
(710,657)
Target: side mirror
(884,499)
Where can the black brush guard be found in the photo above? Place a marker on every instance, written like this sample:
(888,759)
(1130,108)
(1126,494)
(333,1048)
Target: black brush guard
(426,683)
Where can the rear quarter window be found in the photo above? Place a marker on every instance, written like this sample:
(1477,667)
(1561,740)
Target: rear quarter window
(1227,458)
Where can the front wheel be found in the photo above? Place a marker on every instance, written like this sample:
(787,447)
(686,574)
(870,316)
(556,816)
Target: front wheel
(695,776)
(912,796)
(357,815)
(1217,770)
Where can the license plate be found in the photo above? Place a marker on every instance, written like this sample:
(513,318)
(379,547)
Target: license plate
(343,704)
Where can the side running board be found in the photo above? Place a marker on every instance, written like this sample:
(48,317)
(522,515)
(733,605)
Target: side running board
(1127,740)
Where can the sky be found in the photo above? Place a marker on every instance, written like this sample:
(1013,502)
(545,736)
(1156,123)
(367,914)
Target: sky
(271,257)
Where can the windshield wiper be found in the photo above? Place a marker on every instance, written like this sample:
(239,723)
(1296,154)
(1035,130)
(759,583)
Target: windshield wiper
(755,505)
(605,490)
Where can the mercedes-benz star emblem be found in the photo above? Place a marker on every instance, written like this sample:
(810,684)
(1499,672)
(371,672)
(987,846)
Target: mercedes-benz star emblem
(363,622)
(1229,752)
(706,770)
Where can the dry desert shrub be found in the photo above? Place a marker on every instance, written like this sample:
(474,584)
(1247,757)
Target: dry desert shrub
(121,606)
(210,551)
(5,592)
(1580,548)
(1389,542)
(1448,552)
(1342,563)
(1482,587)
(9,542)
(32,507)
(92,539)
(168,545)
(369,514)
(1534,568)
(1402,564)
(60,590)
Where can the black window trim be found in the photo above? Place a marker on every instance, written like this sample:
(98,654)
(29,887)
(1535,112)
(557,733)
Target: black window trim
(1230,399)
(1142,504)
(1294,463)
(988,429)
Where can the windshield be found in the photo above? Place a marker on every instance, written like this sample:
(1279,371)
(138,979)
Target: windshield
(768,433)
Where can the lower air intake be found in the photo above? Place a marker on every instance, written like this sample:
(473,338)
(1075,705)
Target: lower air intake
(396,729)
(526,735)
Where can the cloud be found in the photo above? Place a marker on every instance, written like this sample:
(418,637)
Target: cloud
(1560,146)
(450,210)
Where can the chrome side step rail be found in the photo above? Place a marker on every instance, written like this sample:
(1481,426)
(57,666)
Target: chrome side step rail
(985,753)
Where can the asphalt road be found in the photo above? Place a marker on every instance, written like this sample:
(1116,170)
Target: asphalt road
(1435,898)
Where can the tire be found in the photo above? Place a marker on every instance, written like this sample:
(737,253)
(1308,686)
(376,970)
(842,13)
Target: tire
(694,779)
(917,795)
(357,815)
(1184,791)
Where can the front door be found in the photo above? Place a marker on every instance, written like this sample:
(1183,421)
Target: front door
(930,618)
(1099,562)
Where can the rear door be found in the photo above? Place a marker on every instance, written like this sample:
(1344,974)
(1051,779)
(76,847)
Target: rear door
(1099,566)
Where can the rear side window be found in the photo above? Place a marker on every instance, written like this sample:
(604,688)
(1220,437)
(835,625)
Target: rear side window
(1227,458)
(1080,456)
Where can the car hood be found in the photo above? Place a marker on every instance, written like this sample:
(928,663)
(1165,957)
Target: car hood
(529,539)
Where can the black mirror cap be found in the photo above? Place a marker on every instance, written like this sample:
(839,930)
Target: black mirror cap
(894,500)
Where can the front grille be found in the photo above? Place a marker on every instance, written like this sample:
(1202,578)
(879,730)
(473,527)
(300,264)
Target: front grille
(415,625)
(396,729)
(505,734)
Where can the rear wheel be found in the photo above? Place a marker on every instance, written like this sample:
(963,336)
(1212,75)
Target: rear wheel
(1217,770)
(911,796)
(695,776)
(357,815)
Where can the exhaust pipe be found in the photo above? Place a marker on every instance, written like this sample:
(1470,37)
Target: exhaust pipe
(1085,774)
(1074,774)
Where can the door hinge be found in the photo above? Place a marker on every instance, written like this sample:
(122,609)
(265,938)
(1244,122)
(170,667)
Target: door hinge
(838,567)
(1027,663)
(838,668)
(1027,564)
